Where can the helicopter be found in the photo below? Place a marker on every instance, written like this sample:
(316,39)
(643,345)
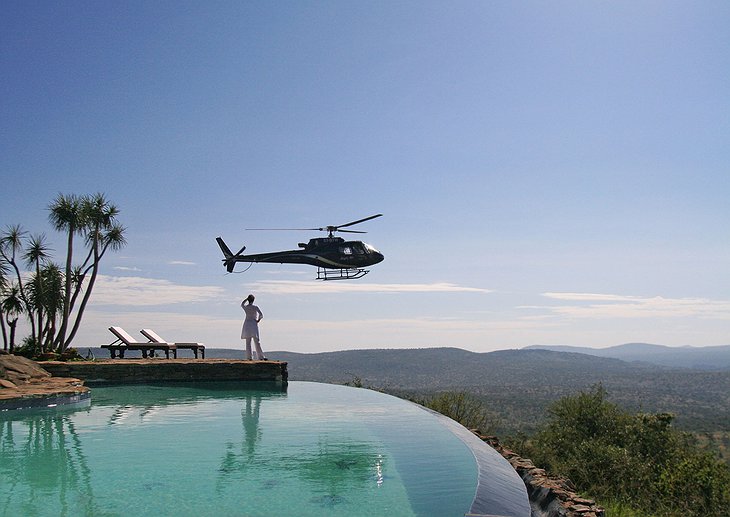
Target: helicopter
(335,258)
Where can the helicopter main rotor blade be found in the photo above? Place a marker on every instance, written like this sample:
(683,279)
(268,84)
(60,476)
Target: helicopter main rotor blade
(280,229)
(358,221)
(330,229)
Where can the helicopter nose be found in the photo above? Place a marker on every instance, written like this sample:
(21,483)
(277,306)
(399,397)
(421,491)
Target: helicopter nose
(379,257)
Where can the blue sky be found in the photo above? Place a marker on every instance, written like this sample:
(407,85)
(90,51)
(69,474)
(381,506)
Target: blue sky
(549,172)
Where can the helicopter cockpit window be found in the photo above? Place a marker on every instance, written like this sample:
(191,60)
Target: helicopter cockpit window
(369,249)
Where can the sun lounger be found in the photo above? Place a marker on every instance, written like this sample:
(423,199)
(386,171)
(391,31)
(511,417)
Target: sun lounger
(155,338)
(126,342)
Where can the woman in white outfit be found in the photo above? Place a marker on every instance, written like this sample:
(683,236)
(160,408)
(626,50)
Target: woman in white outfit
(251,327)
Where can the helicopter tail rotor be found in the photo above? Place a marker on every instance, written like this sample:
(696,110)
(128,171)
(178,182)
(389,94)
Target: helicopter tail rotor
(230,259)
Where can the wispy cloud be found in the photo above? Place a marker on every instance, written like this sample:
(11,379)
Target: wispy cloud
(138,291)
(125,268)
(296,287)
(182,263)
(590,297)
(593,305)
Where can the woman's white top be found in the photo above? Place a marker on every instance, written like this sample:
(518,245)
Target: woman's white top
(250,324)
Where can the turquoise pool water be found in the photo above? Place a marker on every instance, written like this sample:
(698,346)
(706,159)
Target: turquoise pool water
(230,450)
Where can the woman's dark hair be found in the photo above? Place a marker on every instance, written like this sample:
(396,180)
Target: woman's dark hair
(250,298)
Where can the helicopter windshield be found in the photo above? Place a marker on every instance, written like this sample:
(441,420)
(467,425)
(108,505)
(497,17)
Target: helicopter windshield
(369,249)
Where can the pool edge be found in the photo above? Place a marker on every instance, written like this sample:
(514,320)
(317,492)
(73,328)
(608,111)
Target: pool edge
(487,458)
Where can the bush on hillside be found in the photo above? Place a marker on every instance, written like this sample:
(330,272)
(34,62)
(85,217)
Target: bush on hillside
(638,460)
(466,409)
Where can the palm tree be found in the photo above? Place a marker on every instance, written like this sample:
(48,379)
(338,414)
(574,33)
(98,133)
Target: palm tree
(51,297)
(66,215)
(102,232)
(36,254)
(3,291)
(11,243)
(46,295)
(11,307)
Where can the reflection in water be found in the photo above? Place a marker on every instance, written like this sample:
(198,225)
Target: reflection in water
(336,467)
(250,418)
(28,446)
(330,469)
(145,400)
(236,458)
(42,460)
(151,395)
(203,450)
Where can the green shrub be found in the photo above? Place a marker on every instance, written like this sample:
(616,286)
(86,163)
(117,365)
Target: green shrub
(697,484)
(463,407)
(636,461)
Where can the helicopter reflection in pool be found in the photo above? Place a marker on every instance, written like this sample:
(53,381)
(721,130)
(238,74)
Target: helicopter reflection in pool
(335,258)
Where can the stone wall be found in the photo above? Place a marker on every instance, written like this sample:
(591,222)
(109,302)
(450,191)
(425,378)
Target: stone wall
(550,496)
(160,370)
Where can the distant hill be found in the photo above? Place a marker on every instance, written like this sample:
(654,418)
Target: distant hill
(449,368)
(519,385)
(715,358)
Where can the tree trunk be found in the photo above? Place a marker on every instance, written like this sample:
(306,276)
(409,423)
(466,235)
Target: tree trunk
(5,334)
(59,342)
(87,294)
(12,325)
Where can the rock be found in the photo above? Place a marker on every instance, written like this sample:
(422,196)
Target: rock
(19,369)
(4,383)
(581,500)
(554,496)
(23,379)
(43,387)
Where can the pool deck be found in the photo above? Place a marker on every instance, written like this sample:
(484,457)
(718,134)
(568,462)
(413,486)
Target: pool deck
(34,387)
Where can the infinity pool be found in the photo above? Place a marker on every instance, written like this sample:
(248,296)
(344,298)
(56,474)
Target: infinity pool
(235,450)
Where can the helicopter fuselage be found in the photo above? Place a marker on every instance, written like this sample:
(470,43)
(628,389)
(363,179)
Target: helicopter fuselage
(325,252)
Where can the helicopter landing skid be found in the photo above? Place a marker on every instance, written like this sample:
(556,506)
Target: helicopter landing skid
(340,274)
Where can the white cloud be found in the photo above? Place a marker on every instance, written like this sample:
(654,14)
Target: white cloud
(182,263)
(125,268)
(138,291)
(590,297)
(623,306)
(296,287)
